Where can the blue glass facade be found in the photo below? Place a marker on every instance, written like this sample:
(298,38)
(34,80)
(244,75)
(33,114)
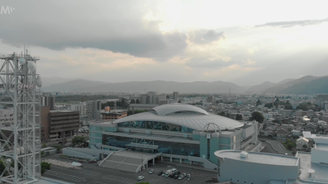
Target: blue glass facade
(154,125)
(163,146)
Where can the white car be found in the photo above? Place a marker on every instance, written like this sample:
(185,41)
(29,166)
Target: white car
(151,171)
(140,178)
(181,177)
(174,170)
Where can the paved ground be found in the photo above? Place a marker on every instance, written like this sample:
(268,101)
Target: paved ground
(93,174)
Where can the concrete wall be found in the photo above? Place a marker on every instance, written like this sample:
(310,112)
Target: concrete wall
(319,156)
(254,173)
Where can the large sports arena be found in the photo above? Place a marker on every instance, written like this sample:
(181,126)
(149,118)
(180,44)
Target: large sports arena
(177,133)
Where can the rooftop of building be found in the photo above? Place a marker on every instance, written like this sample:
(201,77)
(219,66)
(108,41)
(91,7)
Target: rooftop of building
(143,105)
(184,115)
(260,158)
(54,111)
(114,111)
(320,175)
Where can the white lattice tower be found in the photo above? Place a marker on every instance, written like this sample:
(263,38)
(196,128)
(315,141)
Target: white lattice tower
(20,141)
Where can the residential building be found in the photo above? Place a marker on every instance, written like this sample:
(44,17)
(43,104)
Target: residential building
(175,95)
(93,110)
(302,143)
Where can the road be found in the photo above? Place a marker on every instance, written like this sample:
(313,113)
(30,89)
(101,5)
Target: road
(274,146)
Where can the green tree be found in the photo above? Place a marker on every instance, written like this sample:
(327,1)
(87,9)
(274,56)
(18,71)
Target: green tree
(258,103)
(45,166)
(130,112)
(132,101)
(2,166)
(257,116)
(222,113)
(265,125)
(78,140)
(239,117)
(137,101)
(179,101)
(305,146)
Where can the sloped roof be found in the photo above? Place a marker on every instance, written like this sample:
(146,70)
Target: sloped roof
(166,109)
(183,115)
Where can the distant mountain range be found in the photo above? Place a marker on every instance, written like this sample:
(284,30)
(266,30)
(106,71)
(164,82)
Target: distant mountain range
(159,86)
(303,85)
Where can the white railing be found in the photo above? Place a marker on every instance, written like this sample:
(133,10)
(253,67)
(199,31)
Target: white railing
(105,159)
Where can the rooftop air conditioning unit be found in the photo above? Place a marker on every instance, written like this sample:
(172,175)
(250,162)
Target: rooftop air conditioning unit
(243,155)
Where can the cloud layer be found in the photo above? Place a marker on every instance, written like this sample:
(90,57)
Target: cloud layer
(285,24)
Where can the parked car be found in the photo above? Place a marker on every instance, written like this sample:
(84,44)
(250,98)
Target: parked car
(176,176)
(181,176)
(151,171)
(140,178)
(171,175)
(174,170)
(160,173)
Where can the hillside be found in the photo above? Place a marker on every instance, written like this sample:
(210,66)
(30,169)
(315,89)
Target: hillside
(159,86)
(315,86)
(74,85)
(280,87)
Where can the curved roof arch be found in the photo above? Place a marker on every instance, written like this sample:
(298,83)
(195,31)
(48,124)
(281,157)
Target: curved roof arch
(195,121)
(167,109)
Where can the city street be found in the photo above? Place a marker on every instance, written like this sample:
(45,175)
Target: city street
(274,146)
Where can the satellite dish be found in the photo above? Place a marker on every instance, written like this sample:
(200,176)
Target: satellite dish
(38,81)
(31,66)
(21,61)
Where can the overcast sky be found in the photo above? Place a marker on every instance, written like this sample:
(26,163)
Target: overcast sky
(244,42)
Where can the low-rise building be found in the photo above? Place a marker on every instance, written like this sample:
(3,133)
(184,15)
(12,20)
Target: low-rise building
(253,168)
(302,143)
(114,114)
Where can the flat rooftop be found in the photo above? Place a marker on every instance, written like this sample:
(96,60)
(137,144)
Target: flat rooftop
(320,175)
(261,158)
(321,147)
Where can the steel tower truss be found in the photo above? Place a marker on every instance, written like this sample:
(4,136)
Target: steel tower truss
(20,142)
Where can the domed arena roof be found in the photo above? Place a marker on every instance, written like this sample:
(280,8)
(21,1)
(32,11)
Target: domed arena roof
(183,115)
(168,109)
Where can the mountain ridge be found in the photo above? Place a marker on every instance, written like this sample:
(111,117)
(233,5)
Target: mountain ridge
(287,86)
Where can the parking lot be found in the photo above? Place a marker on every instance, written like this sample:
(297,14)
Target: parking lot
(93,174)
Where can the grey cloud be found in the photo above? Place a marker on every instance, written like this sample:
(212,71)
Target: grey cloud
(117,26)
(293,23)
(207,63)
(205,36)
